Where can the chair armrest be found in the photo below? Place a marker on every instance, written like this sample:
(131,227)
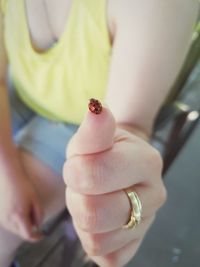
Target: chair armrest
(179,127)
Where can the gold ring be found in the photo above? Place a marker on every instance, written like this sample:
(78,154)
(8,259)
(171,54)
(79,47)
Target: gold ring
(136,210)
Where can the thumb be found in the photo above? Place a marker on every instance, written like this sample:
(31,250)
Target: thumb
(95,134)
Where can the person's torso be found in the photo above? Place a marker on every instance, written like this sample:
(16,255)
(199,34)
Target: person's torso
(59,53)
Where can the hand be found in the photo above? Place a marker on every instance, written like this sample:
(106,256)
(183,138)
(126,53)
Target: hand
(20,209)
(104,159)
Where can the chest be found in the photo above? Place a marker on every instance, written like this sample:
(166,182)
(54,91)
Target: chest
(47,19)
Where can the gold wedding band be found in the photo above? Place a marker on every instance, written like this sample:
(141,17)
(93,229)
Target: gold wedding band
(136,210)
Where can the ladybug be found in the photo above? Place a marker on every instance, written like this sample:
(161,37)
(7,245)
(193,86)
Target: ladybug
(95,106)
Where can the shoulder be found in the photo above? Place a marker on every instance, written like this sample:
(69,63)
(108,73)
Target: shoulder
(120,14)
(120,8)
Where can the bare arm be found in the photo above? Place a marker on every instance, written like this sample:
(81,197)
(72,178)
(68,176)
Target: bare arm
(150,43)
(7,150)
(8,153)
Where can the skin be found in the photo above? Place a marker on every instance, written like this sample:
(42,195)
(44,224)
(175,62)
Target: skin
(97,172)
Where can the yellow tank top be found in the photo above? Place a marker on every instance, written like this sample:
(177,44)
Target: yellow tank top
(58,82)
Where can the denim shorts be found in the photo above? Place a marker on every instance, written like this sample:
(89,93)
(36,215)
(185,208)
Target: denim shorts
(46,140)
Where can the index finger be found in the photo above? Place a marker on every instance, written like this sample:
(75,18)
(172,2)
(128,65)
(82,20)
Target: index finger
(109,171)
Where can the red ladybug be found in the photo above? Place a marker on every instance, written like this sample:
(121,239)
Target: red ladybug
(95,106)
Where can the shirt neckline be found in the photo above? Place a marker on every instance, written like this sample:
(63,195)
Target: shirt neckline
(56,44)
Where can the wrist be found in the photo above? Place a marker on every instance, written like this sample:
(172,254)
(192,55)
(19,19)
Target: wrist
(136,130)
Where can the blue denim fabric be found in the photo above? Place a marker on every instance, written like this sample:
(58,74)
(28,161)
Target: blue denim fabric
(47,140)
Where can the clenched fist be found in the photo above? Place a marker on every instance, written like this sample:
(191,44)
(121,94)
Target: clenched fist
(102,160)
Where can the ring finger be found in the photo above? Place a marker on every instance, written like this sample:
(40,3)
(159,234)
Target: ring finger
(108,212)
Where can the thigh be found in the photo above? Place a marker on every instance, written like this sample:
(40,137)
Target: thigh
(46,140)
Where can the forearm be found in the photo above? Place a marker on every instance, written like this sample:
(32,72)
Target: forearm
(6,144)
(156,45)
(10,163)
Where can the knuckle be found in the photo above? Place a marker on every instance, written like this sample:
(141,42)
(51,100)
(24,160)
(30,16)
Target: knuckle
(97,173)
(121,257)
(89,184)
(93,246)
(86,167)
(89,168)
(113,259)
(87,222)
(161,196)
(155,159)
(88,217)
